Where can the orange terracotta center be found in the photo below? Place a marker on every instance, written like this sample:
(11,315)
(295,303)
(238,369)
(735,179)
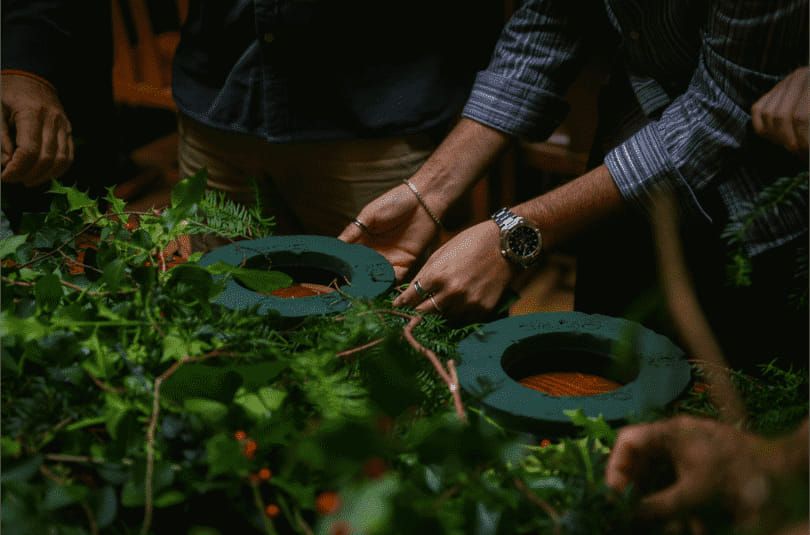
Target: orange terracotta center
(569,384)
(304,289)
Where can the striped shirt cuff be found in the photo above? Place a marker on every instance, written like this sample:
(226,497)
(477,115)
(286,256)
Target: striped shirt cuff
(642,169)
(514,107)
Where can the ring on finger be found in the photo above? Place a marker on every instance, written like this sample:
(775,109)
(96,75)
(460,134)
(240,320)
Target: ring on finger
(433,302)
(359,224)
(421,292)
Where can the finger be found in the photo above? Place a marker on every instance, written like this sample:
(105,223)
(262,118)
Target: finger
(351,233)
(801,111)
(410,297)
(757,119)
(63,160)
(634,444)
(668,502)
(43,170)
(6,145)
(782,105)
(28,139)
(400,272)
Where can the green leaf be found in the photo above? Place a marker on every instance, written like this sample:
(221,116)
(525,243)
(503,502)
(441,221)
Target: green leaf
(113,274)
(190,190)
(260,404)
(132,493)
(26,328)
(225,456)
(10,447)
(59,496)
(48,291)
(169,498)
(85,422)
(76,199)
(11,244)
(258,280)
(209,410)
(595,428)
(22,471)
(106,506)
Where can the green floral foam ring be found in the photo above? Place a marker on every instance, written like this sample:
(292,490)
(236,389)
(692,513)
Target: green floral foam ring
(368,273)
(652,370)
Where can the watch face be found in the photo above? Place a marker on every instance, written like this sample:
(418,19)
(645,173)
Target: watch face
(523,242)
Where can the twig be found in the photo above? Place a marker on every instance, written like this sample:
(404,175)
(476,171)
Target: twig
(150,431)
(454,388)
(363,347)
(104,386)
(91,519)
(539,502)
(65,458)
(688,316)
(66,284)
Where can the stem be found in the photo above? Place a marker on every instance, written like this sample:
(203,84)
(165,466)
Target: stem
(358,349)
(257,499)
(539,502)
(688,316)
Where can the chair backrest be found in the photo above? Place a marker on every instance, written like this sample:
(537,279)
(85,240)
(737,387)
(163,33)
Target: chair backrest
(142,59)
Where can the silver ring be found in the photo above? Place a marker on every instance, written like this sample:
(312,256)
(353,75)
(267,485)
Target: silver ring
(359,224)
(421,292)
(435,305)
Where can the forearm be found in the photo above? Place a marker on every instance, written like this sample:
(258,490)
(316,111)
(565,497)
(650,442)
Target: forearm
(463,157)
(566,211)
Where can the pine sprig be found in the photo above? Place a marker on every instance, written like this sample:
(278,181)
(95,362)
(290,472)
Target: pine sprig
(785,191)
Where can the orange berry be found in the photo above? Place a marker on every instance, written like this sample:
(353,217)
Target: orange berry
(327,502)
(545,443)
(272,510)
(374,467)
(240,435)
(265,474)
(254,478)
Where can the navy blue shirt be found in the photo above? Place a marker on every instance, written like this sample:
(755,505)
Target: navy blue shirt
(305,70)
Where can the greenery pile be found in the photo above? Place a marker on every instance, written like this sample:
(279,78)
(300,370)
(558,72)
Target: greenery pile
(131,404)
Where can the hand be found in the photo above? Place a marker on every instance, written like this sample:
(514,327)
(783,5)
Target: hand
(467,275)
(711,461)
(42,147)
(397,226)
(781,115)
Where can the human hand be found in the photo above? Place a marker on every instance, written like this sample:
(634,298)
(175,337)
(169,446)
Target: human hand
(466,276)
(711,461)
(37,146)
(781,115)
(397,226)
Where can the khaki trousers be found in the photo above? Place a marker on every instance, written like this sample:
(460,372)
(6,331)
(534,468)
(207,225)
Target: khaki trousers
(314,188)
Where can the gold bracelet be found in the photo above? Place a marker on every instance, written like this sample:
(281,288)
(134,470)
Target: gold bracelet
(422,202)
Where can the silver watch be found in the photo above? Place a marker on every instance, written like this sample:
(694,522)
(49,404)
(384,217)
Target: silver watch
(521,241)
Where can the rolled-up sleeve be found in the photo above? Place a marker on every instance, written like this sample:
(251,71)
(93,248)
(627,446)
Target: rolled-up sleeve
(535,59)
(747,47)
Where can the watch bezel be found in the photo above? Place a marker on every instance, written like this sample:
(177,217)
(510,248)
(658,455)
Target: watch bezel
(509,253)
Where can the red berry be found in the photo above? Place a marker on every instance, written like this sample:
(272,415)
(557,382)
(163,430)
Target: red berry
(265,474)
(545,443)
(374,467)
(272,510)
(341,527)
(327,502)
(240,435)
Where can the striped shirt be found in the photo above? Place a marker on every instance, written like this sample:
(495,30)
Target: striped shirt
(695,66)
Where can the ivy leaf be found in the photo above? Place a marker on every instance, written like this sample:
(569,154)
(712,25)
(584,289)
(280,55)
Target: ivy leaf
(27,328)
(595,428)
(48,291)
(169,498)
(186,195)
(259,405)
(11,244)
(59,496)
(76,199)
(225,456)
(209,410)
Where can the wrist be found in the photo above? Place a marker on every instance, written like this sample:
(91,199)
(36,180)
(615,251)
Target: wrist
(28,75)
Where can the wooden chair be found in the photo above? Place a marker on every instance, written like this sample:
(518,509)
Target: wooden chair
(142,62)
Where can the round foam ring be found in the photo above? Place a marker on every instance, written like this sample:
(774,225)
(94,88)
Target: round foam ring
(369,273)
(663,371)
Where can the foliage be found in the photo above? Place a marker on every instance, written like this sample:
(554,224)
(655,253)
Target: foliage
(131,403)
(784,191)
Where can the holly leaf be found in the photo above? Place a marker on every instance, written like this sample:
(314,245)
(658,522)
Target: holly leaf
(48,291)
(11,244)
(76,199)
